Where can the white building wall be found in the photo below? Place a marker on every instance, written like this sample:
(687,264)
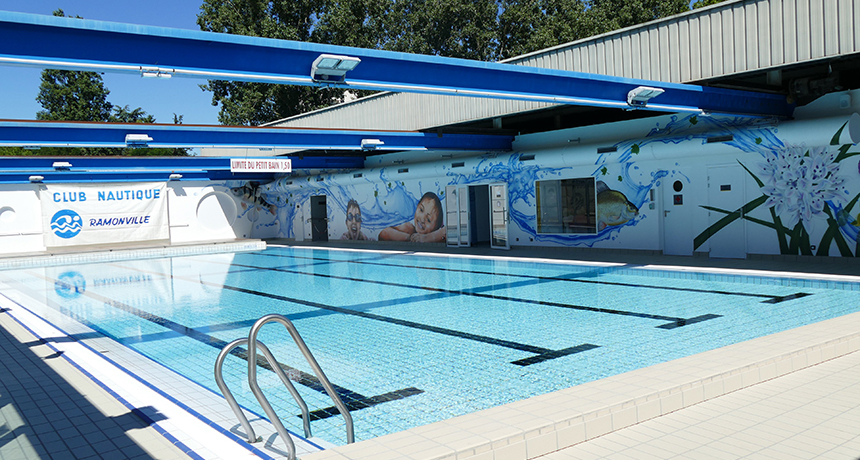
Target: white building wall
(649,157)
(198,212)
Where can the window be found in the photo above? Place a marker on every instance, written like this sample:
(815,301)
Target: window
(566,206)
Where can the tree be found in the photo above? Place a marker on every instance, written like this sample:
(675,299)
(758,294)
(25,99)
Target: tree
(453,28)
(73,96)
(608,15)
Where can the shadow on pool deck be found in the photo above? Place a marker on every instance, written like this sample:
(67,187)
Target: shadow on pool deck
(50,410)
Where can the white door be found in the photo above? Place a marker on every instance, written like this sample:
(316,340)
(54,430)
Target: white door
(726,192)
(452,216)
(677,216)
(299,224)
(500,218)
(465,228)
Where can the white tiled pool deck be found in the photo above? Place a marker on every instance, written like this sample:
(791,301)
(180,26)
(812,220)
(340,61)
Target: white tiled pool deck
(795,394)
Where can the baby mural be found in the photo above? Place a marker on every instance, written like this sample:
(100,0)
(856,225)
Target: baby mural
(426,227)
(613,207)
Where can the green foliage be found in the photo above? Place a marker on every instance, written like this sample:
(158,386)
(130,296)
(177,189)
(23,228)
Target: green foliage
(73,96)
(704,3)
(608,15)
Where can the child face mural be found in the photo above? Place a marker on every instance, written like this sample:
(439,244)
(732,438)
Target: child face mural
(353,222)
(427,216)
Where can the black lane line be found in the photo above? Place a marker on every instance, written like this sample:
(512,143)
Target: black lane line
(392,396)
(787,297)
(386,319)
(688,321)
(573,277)
(554,354)
(673,319)
(348,396)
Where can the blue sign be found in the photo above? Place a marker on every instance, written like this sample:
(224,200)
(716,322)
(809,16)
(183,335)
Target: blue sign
(66,223)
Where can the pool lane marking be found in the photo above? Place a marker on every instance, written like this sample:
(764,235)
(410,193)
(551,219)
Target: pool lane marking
(400,322)
(674,321)
(573,277)
(351,398)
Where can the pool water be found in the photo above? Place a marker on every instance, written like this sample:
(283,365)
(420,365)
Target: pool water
(412,339)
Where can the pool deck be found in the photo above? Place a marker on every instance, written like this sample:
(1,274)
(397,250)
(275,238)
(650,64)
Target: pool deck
(795,394)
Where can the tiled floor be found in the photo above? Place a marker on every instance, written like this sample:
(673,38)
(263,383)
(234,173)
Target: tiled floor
(50,409)
(811,413)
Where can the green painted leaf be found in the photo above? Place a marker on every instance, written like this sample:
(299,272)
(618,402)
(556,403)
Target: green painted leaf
(635,149)
(835,139)
(603,170)
(751,219)
(758,140)
(620,179)
(694,119)
(728,219)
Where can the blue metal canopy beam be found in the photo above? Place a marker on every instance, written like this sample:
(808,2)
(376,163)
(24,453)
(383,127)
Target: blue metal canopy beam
(75,44)
(21,133)
(148,169)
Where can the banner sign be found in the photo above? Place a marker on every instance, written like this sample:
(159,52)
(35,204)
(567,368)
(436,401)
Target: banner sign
(76,214)
(267,165)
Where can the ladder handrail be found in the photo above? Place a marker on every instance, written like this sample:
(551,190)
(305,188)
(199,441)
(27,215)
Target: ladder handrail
(252,371)
(228,395)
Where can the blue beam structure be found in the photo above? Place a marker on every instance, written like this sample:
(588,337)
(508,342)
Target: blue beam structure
(25,133)
(145,169)
(75,44)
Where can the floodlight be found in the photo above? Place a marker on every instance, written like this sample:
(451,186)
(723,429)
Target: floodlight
(639,96)
(332,68)
(137,140)
(174,176)
(155,72)
(36,178)
(371,144)
(60,165)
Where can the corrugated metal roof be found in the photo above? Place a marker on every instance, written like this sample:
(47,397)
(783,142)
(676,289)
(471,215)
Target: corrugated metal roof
(717,41)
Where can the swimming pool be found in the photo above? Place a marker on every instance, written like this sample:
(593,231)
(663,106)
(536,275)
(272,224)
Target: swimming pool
(412,339)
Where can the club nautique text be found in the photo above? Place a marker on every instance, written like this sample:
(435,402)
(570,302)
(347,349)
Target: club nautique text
(112,195)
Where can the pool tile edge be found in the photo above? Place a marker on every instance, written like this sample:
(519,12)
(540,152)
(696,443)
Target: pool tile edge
(543,424)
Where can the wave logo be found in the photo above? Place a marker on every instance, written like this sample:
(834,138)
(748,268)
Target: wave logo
(70,285)
(66,223)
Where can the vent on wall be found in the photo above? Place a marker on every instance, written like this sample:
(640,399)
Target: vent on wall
(289,182)
(320,179)
(458,164)
(357,175)
(527,157)
(403,170)
(715,139)
(607,149)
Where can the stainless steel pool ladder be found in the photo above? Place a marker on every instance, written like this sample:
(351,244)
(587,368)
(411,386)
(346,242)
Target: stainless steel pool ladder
(253,344)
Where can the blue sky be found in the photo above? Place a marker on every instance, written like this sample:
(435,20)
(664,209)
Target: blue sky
(161,98)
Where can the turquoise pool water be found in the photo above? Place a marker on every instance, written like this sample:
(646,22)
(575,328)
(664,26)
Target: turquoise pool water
(408,339)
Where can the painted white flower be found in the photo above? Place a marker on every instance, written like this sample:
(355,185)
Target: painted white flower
(799,182)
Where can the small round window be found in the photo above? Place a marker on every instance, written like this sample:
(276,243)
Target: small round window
(678,186)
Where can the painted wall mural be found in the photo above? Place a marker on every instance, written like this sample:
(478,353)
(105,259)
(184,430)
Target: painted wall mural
(804,190)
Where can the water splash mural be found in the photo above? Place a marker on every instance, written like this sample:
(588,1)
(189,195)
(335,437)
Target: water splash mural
(628,172)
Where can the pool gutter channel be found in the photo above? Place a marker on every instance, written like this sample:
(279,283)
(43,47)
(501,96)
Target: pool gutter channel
(543,424)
